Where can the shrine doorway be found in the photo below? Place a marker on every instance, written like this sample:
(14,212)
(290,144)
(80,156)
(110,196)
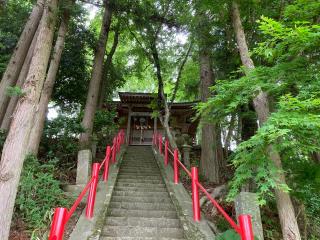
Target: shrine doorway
(142,128)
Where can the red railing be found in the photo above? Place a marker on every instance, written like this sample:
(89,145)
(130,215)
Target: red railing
(62,215)
(244,229)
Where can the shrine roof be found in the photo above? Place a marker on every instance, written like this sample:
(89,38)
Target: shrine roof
(132,97)
(146,98)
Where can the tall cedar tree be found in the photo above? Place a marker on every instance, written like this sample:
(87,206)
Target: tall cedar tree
(289,225)
(93,93)
(15,146)
(37,130)
(20,52)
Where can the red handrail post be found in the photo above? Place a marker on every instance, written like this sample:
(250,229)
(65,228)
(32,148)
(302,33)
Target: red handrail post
(195,195)
(175,166)
(106,164)
(245,225)
(93,190)
(166,152)
(160,144)
(58,223)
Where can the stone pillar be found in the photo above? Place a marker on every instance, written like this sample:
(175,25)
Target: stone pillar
(83,166)
(247,203)
(186,155)
(128,126)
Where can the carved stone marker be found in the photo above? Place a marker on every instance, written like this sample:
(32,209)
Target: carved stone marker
(246,203)
(83,166)
(186,155)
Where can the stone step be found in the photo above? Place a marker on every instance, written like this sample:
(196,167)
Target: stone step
(130,176)
(143,222)
(135,167)
(142,206)
(138,185)
(140,173)
(121,231)
(141,189)
(138,166)
(136,238)
(135,180)
(144,199)
(116,212)
(139,194)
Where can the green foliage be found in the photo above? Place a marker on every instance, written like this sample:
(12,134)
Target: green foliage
(60,136)
(104,127)
(228,235)
(75,66)
(294,131)
(287,41)
(292,80)
(60,141)
(39,192)
(305,179)
(12,21)
(303,10)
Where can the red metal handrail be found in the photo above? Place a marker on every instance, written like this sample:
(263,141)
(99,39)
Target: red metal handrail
(244,229)
(62,215)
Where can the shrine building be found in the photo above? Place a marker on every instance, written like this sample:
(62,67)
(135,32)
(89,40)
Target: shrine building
(134,114)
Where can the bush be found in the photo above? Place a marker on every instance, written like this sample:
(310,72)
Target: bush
(104,128)
(38,194)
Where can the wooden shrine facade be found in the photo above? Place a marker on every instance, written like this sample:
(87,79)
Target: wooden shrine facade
(135,116)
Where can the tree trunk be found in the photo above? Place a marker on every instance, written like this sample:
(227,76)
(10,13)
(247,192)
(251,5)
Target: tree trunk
(17,59)
(290,229)
(164,119)
(229,135)
(15,146)
(22,77)
(92,97)
(107,65)
(40,117)
(209,164)
(249,123)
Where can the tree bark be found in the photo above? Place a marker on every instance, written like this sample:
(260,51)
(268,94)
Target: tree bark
(17,59)
(93,93)
(209,164)
(164,118)
(22,77)
(289,226)
(229,135)
(40,117)
(176,87)
(107,65)
(15,146)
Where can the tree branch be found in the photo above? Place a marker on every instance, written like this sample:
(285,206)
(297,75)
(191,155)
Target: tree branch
(140,44)
(179,74)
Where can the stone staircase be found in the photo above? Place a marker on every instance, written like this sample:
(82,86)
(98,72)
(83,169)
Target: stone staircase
(140,206)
